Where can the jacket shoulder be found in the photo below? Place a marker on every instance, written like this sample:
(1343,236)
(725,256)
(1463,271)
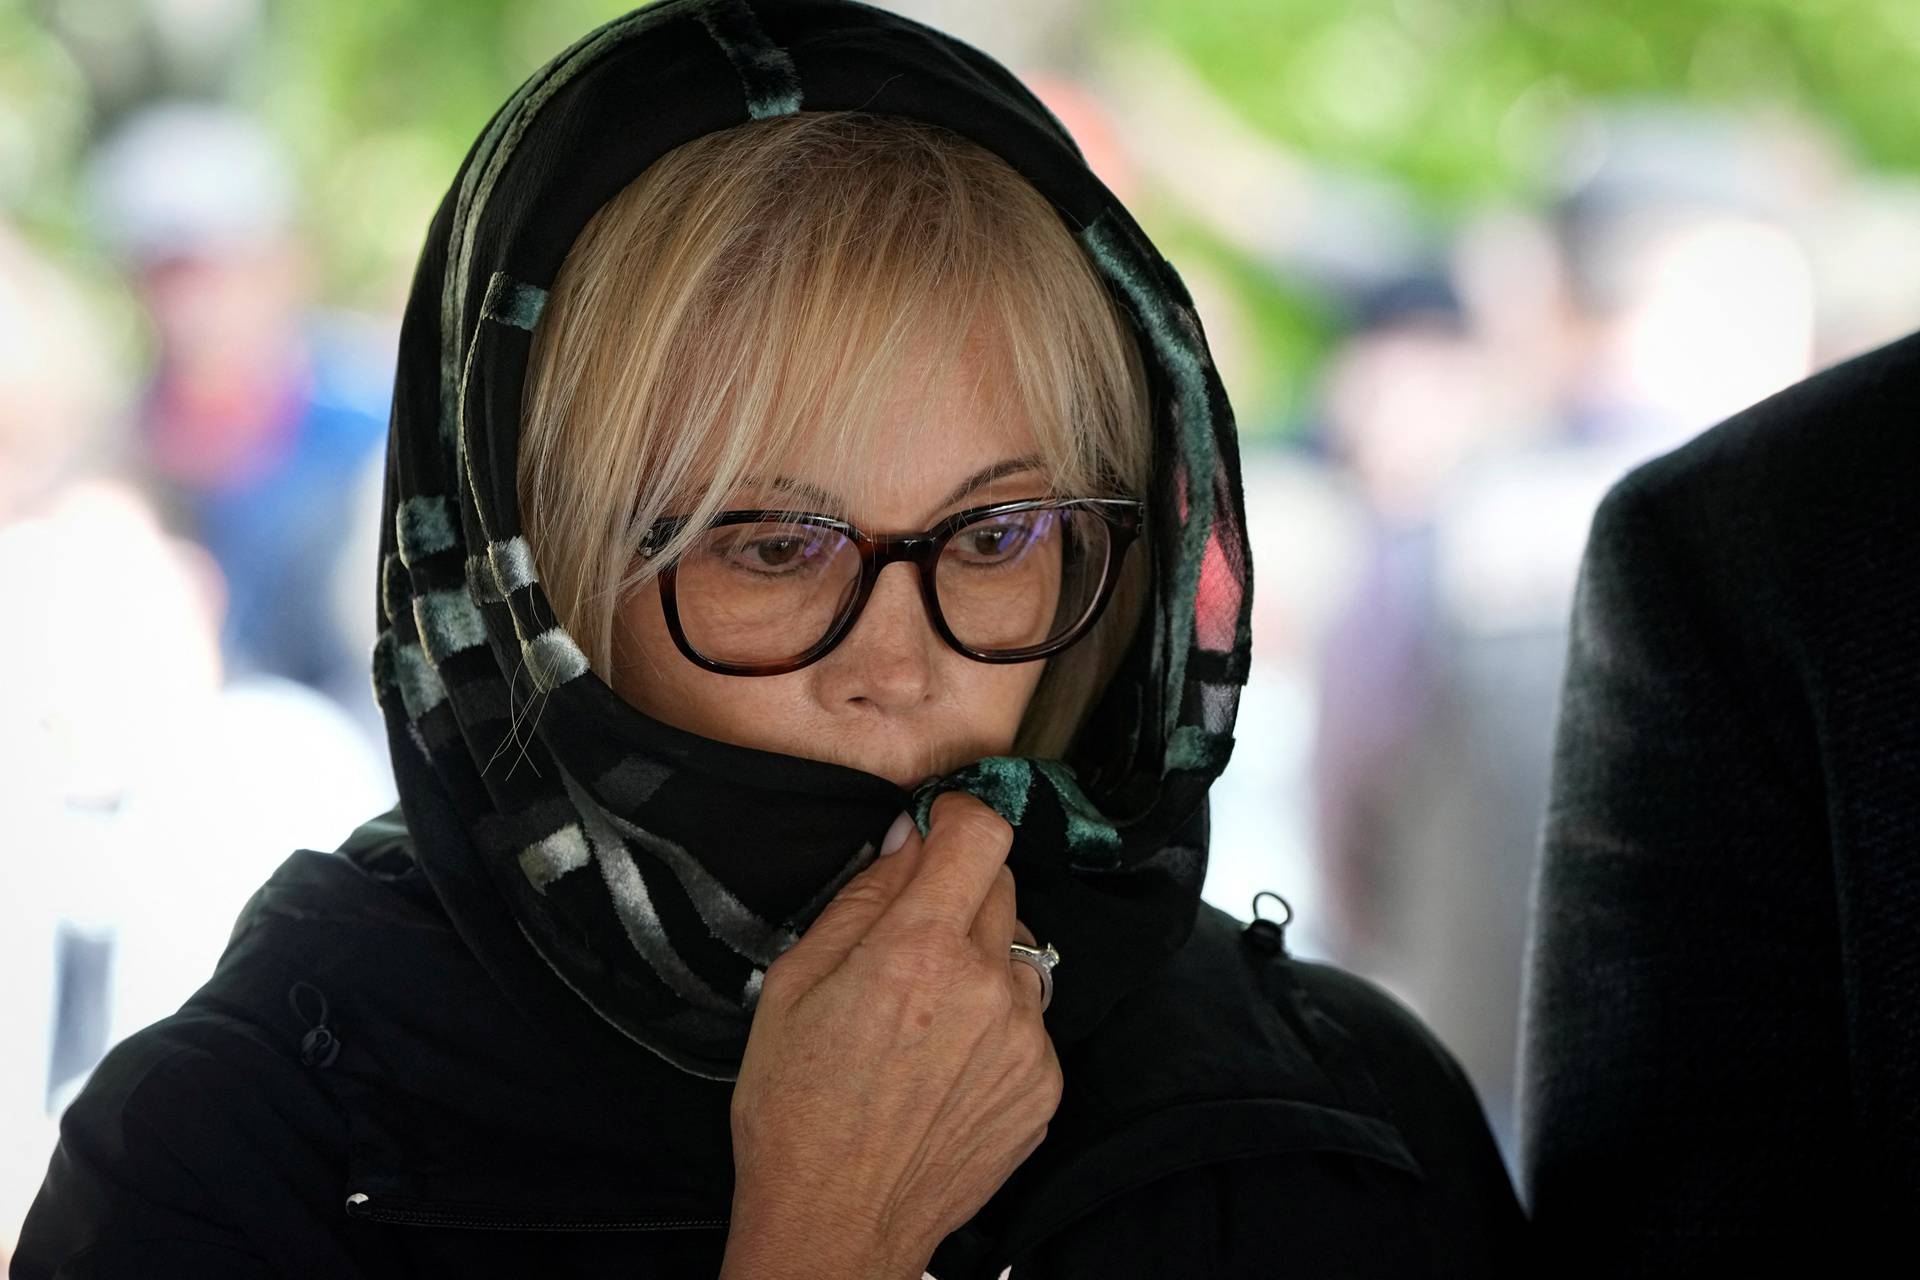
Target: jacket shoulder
(1230,1016)
(1420,1085)
(1272,1096)
(1394,1042)
(1756,577)
(1386,1062)
(183,1153)
(204,1144)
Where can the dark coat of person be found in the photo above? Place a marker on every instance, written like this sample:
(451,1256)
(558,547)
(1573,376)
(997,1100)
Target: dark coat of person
(1722,1039)
(352,1096)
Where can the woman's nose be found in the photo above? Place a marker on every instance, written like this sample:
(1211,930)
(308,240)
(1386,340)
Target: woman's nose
(887,659)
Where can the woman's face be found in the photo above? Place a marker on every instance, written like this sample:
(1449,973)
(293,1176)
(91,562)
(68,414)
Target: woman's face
(891,698)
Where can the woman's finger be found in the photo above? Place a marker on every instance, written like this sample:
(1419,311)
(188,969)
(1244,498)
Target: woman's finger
(1027,979)
(862,900)
(1030,982)
(993,926)
(966,845)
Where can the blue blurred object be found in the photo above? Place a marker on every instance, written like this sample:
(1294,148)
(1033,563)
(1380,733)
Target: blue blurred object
(276,537)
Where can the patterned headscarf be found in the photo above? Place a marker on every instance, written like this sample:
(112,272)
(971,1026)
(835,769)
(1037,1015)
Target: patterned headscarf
(624,878)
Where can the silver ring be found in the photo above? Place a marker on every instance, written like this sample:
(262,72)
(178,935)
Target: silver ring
(1042,959)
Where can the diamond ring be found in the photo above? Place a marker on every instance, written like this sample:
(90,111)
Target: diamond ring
(1043,959)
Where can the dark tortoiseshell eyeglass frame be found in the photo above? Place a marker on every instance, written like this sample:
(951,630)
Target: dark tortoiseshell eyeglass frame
(1123,517)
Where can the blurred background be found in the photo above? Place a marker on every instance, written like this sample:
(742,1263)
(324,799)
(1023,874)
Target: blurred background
(1462,263)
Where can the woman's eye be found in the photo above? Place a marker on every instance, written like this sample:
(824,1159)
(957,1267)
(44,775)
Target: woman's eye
(1001,540)
(990,542)
(772,553)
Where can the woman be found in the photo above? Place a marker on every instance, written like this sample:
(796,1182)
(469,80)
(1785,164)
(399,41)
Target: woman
(721,302)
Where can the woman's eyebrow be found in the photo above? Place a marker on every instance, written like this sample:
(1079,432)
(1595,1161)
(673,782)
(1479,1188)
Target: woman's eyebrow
(831,502)
(987,475)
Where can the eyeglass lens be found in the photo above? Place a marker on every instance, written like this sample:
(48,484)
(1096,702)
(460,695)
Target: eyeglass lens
(766,592)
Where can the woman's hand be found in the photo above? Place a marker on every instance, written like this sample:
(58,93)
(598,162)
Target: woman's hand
(897,1071)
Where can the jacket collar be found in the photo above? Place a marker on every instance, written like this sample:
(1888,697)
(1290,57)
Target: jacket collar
(459,1109)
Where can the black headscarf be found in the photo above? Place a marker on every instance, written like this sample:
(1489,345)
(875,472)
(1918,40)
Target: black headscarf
(654,872)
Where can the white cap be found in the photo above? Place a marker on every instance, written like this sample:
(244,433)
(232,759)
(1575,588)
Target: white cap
(187,177)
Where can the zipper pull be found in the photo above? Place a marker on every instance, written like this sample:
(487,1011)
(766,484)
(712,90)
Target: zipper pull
(319,1046)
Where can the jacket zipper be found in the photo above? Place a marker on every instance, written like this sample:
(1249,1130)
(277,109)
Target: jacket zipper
(406,1212)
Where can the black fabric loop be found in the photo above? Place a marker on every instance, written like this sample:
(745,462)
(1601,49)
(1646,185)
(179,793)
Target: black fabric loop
(1269,935)
(1265,935)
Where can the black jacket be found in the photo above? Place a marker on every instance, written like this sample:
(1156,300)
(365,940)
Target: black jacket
(1722,1045)
(351,1095)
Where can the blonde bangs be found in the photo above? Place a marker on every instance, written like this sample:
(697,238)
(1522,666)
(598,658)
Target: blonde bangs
(751,301)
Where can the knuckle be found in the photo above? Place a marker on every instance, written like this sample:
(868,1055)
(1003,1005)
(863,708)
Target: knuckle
(988,996)
(1039,1061)
(1046,1095)
(1047,1062)
(775,980)
(861,895)
(978,999)
(999,1000)
(1025,994)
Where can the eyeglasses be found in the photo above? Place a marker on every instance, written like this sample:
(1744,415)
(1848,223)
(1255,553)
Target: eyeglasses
(761,593)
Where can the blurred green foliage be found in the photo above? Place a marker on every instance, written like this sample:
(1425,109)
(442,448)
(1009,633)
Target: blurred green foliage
(43,121)
(1459,100)
(380,101)
(1462,98)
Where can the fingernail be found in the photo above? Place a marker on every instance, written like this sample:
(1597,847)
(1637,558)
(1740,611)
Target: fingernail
(896,834)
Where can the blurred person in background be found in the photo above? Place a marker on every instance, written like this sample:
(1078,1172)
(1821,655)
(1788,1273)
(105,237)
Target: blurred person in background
(1422,781)
(1689,290)
(56,399)
(1672,291)
(262,419)
(120,736)
(625,983)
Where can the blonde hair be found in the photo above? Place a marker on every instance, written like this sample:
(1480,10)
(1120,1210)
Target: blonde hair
(749,299)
